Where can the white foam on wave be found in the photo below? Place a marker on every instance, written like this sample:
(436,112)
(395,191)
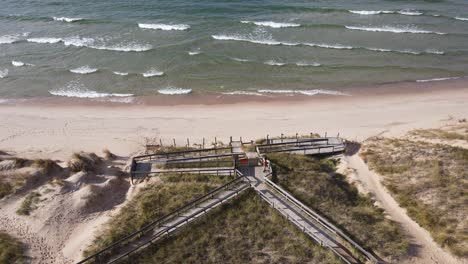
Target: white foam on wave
(78,90)
(328,46)
(303,92)
(271,24)
(44,40)
(20,64)
(438,79)
(307,64)
(194,52)
(394,30)
(90,43)
(9,39)
(369,12)
(274,63)
(3,73)
(68,19)
(461,18)
(153,73)
(164,26)
(240,60)
(247,39)
(410,13)
(174,91)
(135,47)
(120,73)
(243,93)
(84,70)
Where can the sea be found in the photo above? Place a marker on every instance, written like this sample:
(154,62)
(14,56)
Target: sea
(121,49)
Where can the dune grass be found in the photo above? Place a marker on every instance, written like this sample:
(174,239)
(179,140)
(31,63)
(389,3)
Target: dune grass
(315,182)
(245,230)
(29,203)
(11,250)
(82,161)
(430,181)
(154,201)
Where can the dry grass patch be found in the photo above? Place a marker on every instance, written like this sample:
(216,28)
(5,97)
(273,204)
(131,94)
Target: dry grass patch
(154,201)
(315,182)
(82,161)
(430,181)
(29,203)
(11,250)
(245,230)
(109,155)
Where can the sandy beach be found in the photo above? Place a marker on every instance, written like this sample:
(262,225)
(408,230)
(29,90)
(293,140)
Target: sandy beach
(55,129)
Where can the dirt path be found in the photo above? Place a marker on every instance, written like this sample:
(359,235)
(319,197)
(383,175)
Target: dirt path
(423,249)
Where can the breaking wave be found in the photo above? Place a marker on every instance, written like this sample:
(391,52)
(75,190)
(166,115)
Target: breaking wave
(67,19)
(303,92)
(9,39)
(153,73)
(164,26)
(3,73)
(84,70)
(20,64)
(194,52)
(271,24)
(379,12)
(438,79)
(274,63)
(306,64)
(91,43)
(243,93)
(120,73)
(395,30)
(461,18)
(174,91)
(44,40)
(75,89)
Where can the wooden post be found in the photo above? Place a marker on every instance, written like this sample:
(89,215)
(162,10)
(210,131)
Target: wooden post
(241,140)
(297,135)
(325,134)
(203,142)
(188,143)
(174,142)
(281,137)
(267,139)
(230,140)
(160,142)
(216,142)
(338,136)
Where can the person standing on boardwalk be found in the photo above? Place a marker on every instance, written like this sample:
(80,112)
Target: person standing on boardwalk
(265,164)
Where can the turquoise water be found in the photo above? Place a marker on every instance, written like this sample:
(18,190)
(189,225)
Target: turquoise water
(123,48)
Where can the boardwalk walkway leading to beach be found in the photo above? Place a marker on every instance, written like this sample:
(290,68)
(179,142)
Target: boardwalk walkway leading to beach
(295,214)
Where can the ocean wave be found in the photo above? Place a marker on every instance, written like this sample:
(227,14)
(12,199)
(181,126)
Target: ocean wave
(461,18)
(78,42)
(84,70)
(394,30)
(123,47)
(9,39)
(243,93)
(67,19)
(174,91)
(3,73)
(274,63)
(271,24)
(164,26)
(409,13)
(20,64)
(247,39)
(303,92)
(438,79)
(240,60)
(76,89)
(306,64)
(153,73)
(194,52)
(44,40)
(328,46)
(369,12)
(120,73)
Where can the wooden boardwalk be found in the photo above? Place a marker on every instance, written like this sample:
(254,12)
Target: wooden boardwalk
(296,215)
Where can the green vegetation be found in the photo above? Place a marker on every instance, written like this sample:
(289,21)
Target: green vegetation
(5,189)
(11,250)
(245,230)
(29,203)
(168,193)
(459,132)
(11,181)
(315,182)
(430,181)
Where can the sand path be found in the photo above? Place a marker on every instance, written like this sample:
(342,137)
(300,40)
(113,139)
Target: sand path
(423,249)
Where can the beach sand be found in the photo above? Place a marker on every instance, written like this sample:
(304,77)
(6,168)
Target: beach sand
(55,129)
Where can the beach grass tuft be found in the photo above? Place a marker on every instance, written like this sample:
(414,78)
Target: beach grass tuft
(82,161)
(29,203)
(11,250)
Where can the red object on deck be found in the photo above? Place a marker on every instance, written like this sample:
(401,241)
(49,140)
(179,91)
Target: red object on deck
(244,160)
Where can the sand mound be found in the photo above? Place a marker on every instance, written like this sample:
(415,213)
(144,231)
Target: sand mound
(84,161)
(7,165)
(101,196)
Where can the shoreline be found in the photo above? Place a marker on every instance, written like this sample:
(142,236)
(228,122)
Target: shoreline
(350,93)
(56,130)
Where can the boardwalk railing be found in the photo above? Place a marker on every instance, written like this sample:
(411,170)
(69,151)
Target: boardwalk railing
(184,153)
(321,145)
(191,171)
(106,252)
